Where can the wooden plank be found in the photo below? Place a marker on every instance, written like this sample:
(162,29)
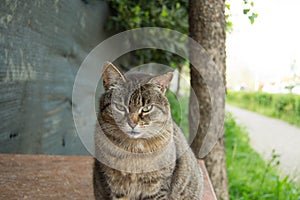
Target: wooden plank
(45,177)
(208,193)
(55,177)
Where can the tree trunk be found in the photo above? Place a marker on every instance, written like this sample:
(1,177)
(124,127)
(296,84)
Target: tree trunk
(207,26)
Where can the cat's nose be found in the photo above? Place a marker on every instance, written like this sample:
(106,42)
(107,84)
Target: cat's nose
(132,124)
(133,120)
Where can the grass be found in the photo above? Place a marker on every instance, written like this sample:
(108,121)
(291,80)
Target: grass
(281,106)
(249,176)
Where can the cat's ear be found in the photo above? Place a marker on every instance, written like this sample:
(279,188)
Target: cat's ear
(110,75)
(162,81)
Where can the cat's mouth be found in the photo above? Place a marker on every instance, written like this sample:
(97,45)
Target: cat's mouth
(134,134)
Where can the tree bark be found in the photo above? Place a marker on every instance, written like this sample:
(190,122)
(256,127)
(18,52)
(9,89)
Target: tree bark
(207,26)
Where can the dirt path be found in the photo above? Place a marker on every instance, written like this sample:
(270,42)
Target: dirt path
(267,133)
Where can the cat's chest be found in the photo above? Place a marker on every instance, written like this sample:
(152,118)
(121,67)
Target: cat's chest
(135,184)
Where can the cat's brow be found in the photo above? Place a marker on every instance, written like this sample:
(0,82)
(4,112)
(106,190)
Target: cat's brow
(140,95)
(160,108)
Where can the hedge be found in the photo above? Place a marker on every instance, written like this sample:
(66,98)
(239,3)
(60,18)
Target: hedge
(281,106)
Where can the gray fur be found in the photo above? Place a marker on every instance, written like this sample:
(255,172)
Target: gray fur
(149,159)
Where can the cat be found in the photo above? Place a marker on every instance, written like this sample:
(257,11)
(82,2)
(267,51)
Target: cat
(142,153)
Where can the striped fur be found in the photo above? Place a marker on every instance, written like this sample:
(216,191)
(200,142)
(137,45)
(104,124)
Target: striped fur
(149,160)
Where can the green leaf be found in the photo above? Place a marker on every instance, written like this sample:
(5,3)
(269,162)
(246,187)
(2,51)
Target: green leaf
(137,10)
(245,11)
(164,12)
(227,6)
(253,17)
(229,26)
(137,20)
(147,14)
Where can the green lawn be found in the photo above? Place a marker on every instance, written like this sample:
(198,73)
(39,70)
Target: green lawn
(281,106)
(250,177)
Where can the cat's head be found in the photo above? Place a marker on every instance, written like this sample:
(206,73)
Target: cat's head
(134,104)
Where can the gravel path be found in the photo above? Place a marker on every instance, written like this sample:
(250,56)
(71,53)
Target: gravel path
(267,133)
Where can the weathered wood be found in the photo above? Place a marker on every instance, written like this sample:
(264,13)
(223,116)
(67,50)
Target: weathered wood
(209,193)
(55,177)
(45,177)
(42,44)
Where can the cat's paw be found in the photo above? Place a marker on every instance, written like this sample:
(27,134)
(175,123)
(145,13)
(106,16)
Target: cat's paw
(120,198)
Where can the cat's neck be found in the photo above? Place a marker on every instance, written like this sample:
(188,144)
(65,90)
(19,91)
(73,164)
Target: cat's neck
(155,154)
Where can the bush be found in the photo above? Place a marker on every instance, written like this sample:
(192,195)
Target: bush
(130,14)
(281,106)
(179,109)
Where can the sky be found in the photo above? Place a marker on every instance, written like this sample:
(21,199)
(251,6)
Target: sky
(266,49)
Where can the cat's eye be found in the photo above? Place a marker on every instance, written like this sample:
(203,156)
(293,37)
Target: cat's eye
(120,107)
(146,109)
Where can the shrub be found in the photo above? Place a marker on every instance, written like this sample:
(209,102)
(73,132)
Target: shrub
(281,106)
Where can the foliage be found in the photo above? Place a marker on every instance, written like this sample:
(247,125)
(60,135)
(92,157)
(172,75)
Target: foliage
(282,106)
(229,24)
(130,14)
(247,11)
(179,109)
(250,177)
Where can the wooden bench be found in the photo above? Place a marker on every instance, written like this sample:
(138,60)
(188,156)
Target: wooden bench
(55,177)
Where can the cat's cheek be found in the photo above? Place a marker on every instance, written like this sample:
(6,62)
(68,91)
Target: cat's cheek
(118,114)
(158,119)
(118,117)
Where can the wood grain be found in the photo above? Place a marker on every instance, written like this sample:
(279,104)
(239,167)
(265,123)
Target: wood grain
(55,177)
(42,45)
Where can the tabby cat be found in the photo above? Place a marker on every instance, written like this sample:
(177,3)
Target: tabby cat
(142,153)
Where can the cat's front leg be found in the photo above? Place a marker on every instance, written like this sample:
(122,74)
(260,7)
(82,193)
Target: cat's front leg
(157,197)
(118,197)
